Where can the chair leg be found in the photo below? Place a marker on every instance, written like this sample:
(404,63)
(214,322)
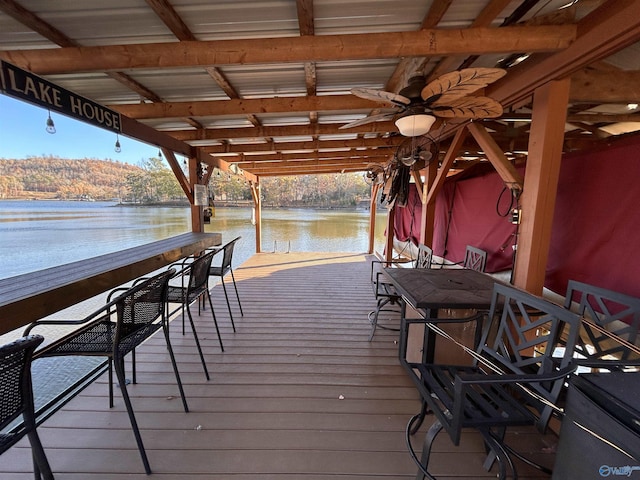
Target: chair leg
(215,322)
(237,296)
(119,368)
(423,413)
(422,463)
(133,366)
(165,328)
(497,449)
(110,374)
(41,468)
(195,336)
(374,321)
(228,304)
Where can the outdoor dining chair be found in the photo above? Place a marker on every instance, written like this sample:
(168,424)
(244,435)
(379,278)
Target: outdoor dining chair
(475,259)
(610,330)
(194,276)
(16,399)
(116,329)
(384,289)
(225,268)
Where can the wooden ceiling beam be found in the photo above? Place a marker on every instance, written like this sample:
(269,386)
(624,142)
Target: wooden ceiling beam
(377,142)
(240,106)
(595,86)
(284,157)
(606,30)
(253,133)
(171,19)
(300,49)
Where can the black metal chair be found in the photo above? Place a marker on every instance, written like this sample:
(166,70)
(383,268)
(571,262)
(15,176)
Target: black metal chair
(225,268)
(16,399)
(475,259)
(515,380)
(610,331)
(384,290)
(197,286)
(117,329)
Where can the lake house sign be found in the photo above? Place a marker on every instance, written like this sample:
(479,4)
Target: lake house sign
(31,88)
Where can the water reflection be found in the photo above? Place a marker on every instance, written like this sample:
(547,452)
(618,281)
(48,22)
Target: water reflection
(39,234)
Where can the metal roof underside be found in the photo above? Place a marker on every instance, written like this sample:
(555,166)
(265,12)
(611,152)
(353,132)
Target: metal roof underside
(237,105)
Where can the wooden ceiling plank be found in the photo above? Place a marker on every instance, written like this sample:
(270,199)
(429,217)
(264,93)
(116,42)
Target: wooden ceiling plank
(305,17)
(171,19)
(301,49)
(135,86)
(35,23)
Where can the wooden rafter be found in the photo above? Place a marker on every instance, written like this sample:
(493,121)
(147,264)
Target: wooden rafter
(302,49)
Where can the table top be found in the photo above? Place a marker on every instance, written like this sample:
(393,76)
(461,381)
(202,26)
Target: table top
(425,288)
(34,295)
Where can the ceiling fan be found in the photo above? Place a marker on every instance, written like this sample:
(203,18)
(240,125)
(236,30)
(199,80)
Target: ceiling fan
(449,96)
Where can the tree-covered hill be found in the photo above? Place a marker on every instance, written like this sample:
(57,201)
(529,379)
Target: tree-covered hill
(52,177)
(153,181)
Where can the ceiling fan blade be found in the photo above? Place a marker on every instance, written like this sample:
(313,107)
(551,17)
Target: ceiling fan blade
(370,119)
(470,107)
(381,95)
(454,85)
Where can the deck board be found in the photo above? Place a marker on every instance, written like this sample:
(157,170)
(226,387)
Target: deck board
(299,393)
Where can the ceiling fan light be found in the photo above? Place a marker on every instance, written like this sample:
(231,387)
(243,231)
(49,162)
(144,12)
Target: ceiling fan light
(415,125)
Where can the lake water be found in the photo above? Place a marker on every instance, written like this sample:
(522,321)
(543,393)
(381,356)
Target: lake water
(41,234)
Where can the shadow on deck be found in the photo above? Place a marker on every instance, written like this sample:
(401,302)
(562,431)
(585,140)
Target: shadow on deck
(299,393)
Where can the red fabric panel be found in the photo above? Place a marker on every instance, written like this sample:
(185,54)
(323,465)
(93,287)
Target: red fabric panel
(465,215)
(595,237)
(407,222)
(597,220)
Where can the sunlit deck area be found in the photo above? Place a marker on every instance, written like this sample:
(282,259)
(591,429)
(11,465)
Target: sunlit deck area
(299,393)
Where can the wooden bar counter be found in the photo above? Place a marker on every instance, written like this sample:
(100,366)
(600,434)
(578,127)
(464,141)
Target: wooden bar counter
(28,297)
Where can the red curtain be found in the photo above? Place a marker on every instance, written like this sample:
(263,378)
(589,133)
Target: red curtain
(595,237)
(474,211)
(596,226)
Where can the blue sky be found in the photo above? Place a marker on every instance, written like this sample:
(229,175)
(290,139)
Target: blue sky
(23,134)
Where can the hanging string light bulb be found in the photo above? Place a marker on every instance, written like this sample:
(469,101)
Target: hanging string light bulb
(51,127)
(118,149)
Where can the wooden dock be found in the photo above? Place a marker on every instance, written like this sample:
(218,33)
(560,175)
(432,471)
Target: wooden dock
(299,393)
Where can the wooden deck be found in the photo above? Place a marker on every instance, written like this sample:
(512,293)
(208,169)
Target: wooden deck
(299,393)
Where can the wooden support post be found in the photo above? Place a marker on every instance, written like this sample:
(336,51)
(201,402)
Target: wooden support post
(257,204)
(375,188)
(388,251)
(541,184)
(197,213)
(428,217)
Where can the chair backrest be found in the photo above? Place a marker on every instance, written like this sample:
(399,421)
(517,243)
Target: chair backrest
(606,312)
(16,394)
(522,337)
(228,255)
(199,276)
(141,305)
(475,259)
(425,254)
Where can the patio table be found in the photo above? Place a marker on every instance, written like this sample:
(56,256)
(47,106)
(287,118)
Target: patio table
(428,290)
